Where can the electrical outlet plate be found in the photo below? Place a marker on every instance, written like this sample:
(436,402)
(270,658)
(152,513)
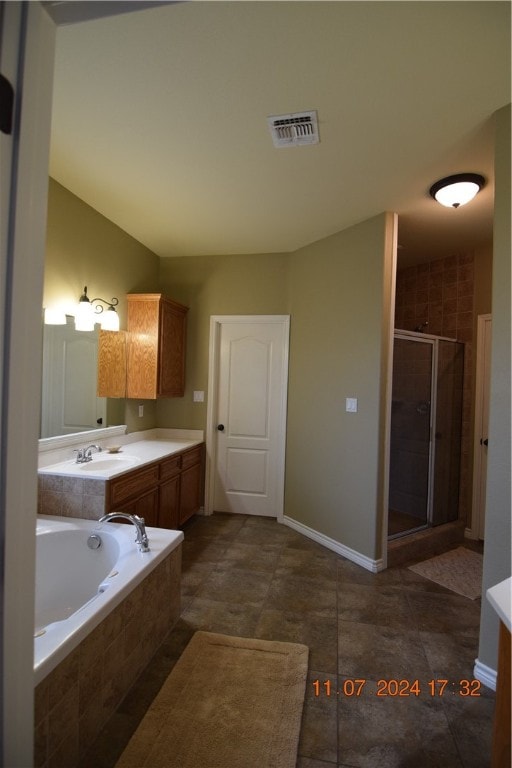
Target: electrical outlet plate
(351,404)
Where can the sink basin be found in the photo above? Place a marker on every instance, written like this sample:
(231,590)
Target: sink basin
(100,464)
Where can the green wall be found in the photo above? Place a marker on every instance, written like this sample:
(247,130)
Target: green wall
(334,292)
(333,466)
(216,285)
(497,553)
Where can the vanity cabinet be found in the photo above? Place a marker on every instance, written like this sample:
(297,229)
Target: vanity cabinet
(191,485)
(155,346)
(170,486)
(136,493)
(165,493)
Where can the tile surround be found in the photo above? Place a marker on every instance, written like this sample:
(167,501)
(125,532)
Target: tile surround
(71,496)
(75,700)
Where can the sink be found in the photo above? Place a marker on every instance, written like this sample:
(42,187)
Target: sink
(100,464)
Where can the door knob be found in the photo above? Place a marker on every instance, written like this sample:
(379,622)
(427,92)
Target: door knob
(220,427)
(484,442)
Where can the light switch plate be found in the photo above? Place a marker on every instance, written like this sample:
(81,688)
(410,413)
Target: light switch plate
(198,396)
(351,404)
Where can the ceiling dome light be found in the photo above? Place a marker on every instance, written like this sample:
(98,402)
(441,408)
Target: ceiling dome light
(454,191)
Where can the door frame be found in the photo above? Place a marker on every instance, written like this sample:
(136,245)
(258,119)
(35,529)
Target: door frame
(481,352)
(216,322)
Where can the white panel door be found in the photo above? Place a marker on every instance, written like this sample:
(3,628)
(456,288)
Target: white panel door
(249,418)
(70,363)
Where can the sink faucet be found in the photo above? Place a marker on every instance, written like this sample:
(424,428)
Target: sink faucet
(138,522)
(88,451)
(85,454)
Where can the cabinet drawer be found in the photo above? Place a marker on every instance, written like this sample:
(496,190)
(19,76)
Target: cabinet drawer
(132,484)
(170,467)
(189,458)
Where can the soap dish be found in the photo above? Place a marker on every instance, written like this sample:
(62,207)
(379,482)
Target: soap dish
(113,449)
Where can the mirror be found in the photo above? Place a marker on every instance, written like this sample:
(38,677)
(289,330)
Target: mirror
(69,379)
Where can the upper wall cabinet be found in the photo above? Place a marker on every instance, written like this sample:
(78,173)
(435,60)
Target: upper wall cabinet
(155,347)
(111,364)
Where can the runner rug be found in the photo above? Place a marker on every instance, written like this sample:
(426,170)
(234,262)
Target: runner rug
(459,570)
(229,702)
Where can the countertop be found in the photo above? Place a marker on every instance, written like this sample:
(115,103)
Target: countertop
(130,456)
(500,597)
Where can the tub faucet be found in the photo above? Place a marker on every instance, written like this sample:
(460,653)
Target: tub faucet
(138,522)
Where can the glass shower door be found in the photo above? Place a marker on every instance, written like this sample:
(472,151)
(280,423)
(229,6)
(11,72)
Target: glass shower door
(448,430)
(410,444)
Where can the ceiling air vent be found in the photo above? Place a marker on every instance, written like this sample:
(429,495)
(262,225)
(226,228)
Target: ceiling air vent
(294,130)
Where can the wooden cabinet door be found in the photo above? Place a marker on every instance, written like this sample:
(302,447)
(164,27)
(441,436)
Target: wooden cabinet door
(190,492)
(171,372)
(169,504)
(155,347)
(142,347)
(112,364)
(145,506)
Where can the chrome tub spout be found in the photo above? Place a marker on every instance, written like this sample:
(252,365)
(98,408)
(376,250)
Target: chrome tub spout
(138,522)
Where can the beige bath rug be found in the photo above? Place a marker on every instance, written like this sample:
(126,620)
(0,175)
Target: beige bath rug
(459,570)
(230,702)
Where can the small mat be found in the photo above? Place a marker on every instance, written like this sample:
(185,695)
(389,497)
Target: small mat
(229,702)
(459,570)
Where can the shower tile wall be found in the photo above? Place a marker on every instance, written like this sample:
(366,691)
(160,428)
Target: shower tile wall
(441,293)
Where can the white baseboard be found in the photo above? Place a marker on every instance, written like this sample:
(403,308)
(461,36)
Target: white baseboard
(485,674)
(351,554)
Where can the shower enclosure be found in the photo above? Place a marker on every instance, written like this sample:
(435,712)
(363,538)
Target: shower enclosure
(426,425)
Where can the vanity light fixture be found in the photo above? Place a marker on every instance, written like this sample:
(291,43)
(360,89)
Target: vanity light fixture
(54,316)
(87,309)
(457,190)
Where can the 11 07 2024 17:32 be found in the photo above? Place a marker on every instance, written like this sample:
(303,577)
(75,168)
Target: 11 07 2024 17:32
(397,687)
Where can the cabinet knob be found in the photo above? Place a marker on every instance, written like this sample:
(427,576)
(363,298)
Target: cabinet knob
(220,427)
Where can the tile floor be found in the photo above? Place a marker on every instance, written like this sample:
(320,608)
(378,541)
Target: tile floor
(251,576)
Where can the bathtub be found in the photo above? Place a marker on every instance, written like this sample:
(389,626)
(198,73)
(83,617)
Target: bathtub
(77,587)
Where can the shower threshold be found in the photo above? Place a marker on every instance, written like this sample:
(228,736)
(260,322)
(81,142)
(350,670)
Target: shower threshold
(425,543)
(407,532)
(404,523)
